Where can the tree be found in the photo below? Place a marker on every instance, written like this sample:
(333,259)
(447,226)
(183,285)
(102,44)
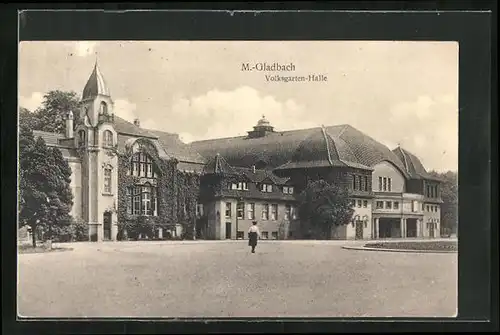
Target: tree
(52,114)
(62,197)
(449,194)
(45,197)
(34,181)
(27,119)
(323,207)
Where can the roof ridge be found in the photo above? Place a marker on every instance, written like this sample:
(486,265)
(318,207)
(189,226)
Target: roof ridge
(404,159)
(327,145)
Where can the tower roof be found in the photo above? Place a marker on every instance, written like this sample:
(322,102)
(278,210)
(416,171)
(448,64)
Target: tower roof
(95,85)
(263,122)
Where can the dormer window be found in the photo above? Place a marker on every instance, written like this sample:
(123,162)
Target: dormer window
(239,186)
(107,138)
(288,189)
(266,188)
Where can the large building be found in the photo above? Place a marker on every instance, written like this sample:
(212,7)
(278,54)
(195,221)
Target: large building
(122,172)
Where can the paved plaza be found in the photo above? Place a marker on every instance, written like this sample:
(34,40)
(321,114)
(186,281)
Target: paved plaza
(223,279)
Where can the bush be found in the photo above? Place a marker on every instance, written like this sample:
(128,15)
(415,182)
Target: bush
(80,230)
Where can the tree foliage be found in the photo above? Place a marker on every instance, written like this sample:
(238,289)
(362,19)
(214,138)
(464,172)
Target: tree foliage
(28,119)
(45,196)
(51,115)
(322,207)
(449,194)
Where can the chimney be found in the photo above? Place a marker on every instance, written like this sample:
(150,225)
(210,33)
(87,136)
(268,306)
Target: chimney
(69,125)
(253,168)
(137,123)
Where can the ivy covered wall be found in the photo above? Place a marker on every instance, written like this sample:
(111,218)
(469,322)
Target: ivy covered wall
(177,194)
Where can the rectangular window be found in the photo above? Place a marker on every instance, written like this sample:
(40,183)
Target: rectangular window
(423,207)
(228,209)
(107,180)
(234,186)
(288,212)
(240,235)
(388,204)
(199,210)
(380,183)
(396,205)
(240,210)
(366,183)
(380,204)
(137,204)
(294,212)
(245,186)
(129,200)
(427,208)
(389,184)
(251,211)
(263,187)
(274,235)
(285,189)
(414,206)
(269,188)
(265,235)
(135,169)
(265,212)
(274,212)
(354,182)
(359,203)
(290,190)
(365,203)
(385,184)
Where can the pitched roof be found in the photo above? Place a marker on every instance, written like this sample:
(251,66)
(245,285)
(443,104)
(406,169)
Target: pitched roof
(125,127)
(51,139)
(96,85)
(343,144)
(173,145)
(412,164)
(218,165)
(54,140)
(260,175)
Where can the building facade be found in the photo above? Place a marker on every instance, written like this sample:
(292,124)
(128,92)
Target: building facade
(123,173)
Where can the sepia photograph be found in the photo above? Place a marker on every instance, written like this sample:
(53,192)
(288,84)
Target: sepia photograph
(216,179)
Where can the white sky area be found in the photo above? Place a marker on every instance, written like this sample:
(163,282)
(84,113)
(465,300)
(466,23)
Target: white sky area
(396,92)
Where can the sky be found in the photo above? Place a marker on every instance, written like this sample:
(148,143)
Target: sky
(399,93)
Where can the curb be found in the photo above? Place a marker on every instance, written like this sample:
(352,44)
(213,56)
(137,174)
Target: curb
(401,250)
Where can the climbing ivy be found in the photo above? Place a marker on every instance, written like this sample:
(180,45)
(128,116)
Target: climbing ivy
(177,195)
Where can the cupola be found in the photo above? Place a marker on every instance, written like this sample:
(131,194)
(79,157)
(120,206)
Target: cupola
(262,128)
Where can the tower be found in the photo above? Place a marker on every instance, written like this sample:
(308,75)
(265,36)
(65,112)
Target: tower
(96,140)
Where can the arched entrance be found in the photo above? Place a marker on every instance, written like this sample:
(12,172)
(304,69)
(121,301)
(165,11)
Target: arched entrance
(106,226)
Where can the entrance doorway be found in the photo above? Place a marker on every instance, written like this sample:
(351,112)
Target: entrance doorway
(411,227)
(389,227)
(228,230)
(431,229)
(107,226)
(359,230)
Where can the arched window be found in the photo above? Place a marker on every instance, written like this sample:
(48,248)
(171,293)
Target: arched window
(81,138)
(142,200)
(141,165)
(104,108)
(107,179)
(107,138)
